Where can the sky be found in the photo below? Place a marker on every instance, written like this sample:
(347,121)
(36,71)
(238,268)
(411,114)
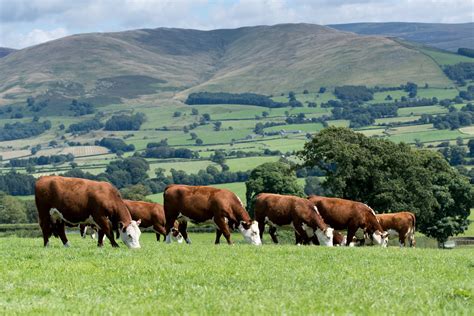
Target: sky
(25,23)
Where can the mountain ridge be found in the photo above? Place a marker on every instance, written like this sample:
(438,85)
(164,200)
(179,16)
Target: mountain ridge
(261,59)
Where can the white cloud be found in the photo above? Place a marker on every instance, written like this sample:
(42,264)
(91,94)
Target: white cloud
(35,36)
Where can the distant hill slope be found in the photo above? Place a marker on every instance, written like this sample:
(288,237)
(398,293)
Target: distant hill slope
(444,36)
(262,59)
(4,51)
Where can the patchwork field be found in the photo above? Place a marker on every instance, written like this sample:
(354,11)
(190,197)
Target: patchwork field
(206,279)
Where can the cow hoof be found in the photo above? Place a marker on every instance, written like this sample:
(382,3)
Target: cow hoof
(67,245)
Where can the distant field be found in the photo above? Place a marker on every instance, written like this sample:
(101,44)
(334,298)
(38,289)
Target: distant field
(242,279)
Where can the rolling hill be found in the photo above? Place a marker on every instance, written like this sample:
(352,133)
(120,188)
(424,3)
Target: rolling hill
(263,59)
(444,36)
(4,51)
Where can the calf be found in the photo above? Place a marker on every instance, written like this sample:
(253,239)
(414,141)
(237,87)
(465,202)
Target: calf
(345,214)
(401,224)
(200,204)
(280,210)
(74,201)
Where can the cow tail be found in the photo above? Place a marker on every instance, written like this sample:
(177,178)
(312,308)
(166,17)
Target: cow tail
(413,229)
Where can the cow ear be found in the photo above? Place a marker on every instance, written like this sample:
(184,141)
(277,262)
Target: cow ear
(122,226)
(244,224)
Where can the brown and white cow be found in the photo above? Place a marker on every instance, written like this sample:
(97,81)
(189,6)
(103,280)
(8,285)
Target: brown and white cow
(201,203)
(71,201)
(152,215)
(281,210)
(338,239)
(345,214)
(401,224)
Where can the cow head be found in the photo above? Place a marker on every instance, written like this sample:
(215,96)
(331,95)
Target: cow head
(380,238)
(325,237)
(177,235)
(130,234)
(250,232)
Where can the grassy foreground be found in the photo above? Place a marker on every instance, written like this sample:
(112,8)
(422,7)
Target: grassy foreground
(206,279)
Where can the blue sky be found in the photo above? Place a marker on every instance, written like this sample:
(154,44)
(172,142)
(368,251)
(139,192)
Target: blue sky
(28,22)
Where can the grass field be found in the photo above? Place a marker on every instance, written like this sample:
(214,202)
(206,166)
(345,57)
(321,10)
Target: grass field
(206,279)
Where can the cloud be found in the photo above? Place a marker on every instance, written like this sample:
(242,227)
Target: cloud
(35,36)
(26,22)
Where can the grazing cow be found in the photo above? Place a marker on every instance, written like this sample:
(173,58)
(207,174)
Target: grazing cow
(152,214)
(71,201)
(281,210)
(401,224)
(201,204)
(83,228)
(350,215)
(337,240)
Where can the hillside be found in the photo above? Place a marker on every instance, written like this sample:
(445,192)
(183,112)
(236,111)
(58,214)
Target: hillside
(444,36)
(264,59)
(4,51)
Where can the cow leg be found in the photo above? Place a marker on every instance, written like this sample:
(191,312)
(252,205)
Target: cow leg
(218,236)
(224,228)
(158,237)
(47,231)
(351,231)
(62,234)
(261,228)
(301,232)
(272,231)
(159,230)
(100,241)
(107,229)
(298,239)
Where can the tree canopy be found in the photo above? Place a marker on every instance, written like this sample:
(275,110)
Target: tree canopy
(391,178)
(272,177)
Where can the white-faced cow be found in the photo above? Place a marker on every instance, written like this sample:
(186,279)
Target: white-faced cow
(345,214)
(200,204)
(399,224)
(74,201)
(301,214)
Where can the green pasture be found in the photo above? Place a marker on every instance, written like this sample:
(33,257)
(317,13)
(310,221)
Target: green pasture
(203,278)
(419,110)
(438,93)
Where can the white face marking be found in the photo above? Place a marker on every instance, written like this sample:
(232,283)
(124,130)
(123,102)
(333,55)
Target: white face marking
(251,235)
(379,239)
(131,236)
(325,238)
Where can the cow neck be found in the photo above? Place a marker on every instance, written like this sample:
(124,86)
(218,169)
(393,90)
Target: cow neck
(124,216)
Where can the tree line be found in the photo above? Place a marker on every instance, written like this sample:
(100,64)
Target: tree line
(233,98)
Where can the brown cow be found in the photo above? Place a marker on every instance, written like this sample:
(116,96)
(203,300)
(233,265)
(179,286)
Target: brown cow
(338,239)
(280,210)
(201,204)
(345,214)
(401,224)
(74,201)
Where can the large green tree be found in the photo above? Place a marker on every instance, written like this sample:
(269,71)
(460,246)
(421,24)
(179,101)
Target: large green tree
(392,177)
(271,177)
(12,210)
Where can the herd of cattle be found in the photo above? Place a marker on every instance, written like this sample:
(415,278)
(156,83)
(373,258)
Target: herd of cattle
(65,202)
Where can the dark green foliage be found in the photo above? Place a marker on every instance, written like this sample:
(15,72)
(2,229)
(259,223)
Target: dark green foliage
(322,90)
(391,177)
(13,183)
(211,175)
(85,126)
(194,111)
(169,152)
(468,94)
(218,157)
(217,126)
(81,108)
(137,192)
(199,141)
(232,98)
(470,145)
(460,72)
(353,93)
(468,52)
(313,186)
(452,120)
(115,145)
(363,115)
(40,161)
(125,122)
(131,170)
(272,177)
(177,114)
(12,210)
(411,88)
(20,130)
